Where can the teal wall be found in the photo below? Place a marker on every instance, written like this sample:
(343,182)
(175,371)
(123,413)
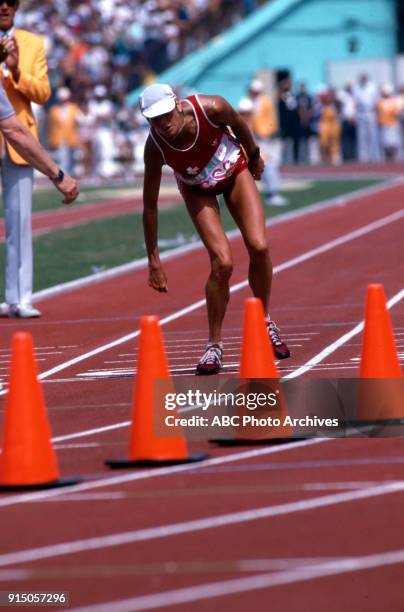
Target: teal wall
(298,35)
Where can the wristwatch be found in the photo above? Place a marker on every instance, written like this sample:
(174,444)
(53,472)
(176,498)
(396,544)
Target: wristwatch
(58,178)
(255,154)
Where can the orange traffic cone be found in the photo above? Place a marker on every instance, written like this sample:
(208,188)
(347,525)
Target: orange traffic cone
(146,449)
(257,357)
(258,362)
(379,357)
(381,390)
(28,460)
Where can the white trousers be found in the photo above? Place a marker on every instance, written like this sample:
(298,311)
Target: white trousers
(368,138)
(271,154)
(17,184)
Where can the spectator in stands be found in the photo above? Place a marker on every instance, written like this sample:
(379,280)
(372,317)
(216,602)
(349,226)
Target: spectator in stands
(86,122)
(347,103)
(389,108)
(329,128)
(258,112)
(63,136)
(102,109)
(305,111)
(289,123)
(368,137)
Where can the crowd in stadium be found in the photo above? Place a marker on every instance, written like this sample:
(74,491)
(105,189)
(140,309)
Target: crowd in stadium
(359,122)
(100,50)
(123,44)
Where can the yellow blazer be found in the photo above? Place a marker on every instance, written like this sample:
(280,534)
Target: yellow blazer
(33,84)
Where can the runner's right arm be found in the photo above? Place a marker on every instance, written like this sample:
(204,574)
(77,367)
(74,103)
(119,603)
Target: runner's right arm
(151,189)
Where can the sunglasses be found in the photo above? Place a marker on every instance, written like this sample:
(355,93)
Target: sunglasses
(9,3)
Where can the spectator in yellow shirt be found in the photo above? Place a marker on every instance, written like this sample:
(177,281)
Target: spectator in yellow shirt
(63,134)
(389,108)
(259,113)
(329,129)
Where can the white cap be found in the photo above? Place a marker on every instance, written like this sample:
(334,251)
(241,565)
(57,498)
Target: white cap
(100,91)
(257,86)
(157,99)
(387,89)
(63,94)
(245,105)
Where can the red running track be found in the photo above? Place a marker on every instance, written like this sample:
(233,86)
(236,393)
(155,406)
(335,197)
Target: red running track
(322,516)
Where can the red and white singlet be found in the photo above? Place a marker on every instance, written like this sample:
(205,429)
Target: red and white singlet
(212,161)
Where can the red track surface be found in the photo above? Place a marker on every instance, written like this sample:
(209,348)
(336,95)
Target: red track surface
(345,540)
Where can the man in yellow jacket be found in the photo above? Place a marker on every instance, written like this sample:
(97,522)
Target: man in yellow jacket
(24,75)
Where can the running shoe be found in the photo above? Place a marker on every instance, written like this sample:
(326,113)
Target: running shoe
(4,309)
(211,362)
(280,348)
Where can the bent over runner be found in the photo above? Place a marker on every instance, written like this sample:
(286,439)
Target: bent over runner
(192,136)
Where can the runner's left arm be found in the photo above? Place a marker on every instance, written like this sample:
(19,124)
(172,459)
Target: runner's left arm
(220,112)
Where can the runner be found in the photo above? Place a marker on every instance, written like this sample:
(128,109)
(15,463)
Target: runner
(193,137)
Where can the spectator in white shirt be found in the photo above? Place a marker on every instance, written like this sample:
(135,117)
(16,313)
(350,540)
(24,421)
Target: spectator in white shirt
(368,138)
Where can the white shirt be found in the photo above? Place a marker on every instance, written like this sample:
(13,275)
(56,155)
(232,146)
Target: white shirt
(366,98)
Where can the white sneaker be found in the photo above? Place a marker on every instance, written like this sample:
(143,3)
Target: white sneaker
(4,309)
(277,200)
(281,350)
(24,311)
(211,361)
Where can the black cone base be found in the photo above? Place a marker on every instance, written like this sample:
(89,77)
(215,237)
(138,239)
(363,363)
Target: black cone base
(52,484)
(117,464)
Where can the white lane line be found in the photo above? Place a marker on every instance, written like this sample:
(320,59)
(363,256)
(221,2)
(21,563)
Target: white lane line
(239,565)
(193,526)
(182,250)
(332,244)
(91,432)
(86,445)
(155,473)
(331,348)
(312,486)
(211,590)
(327,246)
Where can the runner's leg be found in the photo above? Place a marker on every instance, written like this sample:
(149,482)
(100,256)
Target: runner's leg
(245,206)
(244,203)
(204,211)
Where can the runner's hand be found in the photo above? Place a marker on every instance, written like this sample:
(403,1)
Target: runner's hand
(256,167)
(158,279)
